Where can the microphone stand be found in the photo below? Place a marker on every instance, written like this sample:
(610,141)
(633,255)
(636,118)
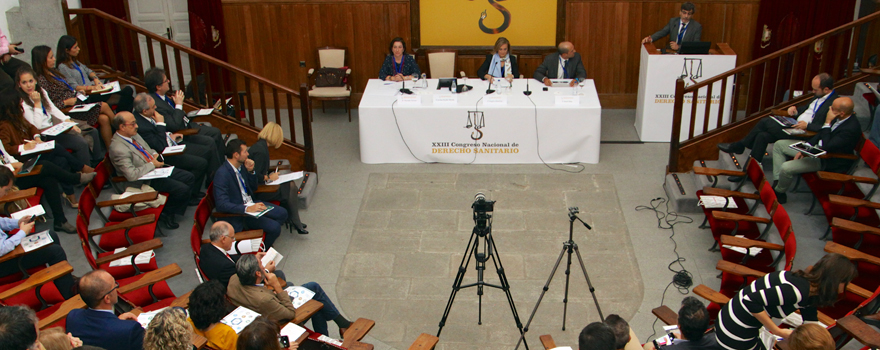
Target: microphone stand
(527,92)
(489,90)
(403,88)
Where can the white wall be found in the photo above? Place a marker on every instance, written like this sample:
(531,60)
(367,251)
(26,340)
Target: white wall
(8,4)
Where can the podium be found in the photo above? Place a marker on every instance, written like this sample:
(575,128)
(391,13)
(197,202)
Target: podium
(657,75)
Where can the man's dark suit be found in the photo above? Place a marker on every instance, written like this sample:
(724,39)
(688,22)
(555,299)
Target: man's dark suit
(215,264)
(228,199)
(484,69)
(176,120)
(768,131)
(286,194)
(692,33)
(104,329)
(196,158)
(842,139)
(550,67)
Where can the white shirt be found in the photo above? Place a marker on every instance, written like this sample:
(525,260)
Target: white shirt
(807,116)
(246,198)
(6,157)
(561,69)
(41,120)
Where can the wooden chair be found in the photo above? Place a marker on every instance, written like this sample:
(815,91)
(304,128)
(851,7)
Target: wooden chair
(332,57)
(852,231)
(203,213)
(425,341)
(442,63)
(39,293)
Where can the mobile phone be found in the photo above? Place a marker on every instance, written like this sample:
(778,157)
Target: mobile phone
(19,49)
(32,219)
(284,341)
(545,88)
(160,158)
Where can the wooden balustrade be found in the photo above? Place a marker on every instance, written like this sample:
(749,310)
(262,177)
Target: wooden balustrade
(767,83)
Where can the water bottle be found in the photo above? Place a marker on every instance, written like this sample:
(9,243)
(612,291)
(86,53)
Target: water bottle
(424,80)
(454,87)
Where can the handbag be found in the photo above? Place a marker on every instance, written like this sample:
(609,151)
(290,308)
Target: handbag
(330,77)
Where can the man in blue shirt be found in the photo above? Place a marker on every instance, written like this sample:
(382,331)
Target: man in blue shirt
(12,231)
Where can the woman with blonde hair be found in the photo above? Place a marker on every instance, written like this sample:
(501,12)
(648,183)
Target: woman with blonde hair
(500,63)
(169,330)
(810,336)
(287,195)
(55,339)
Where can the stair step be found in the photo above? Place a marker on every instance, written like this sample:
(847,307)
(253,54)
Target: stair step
(307,191)
(733,161)
(682,193)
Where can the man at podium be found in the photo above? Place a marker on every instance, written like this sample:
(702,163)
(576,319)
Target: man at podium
(679,29)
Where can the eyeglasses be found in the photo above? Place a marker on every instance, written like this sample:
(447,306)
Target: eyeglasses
(111,290)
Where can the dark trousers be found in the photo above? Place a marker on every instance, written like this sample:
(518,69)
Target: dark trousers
(764,133)
(193,161)
(178,186)
(64,160)
(287,196)
(327,313)
(7,76)
(270,223)
(216,137)
(206,148)
(75,143)
(49,178)
(51,255)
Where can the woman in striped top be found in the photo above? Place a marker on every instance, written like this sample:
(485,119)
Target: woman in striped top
(777,295)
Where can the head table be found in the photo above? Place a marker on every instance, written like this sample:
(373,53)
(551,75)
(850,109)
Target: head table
(561,125)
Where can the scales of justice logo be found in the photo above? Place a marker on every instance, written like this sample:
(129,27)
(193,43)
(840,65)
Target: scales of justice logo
(476,120)
(504,13)
(690,72)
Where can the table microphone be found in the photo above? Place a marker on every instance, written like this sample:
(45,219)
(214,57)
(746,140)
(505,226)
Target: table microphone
(489,90)
(403,88)
(527,92)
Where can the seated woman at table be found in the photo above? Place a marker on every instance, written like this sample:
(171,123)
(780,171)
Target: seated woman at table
(43,60)
(271,135)
(40,112)
(83,79)
(16,131)
(398,66)
(500,63)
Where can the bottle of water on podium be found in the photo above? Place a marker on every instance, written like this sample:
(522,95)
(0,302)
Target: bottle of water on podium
(424,80)
(454,87)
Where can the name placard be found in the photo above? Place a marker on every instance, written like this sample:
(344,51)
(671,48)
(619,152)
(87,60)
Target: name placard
(409,100)
(568,100)
(495,100)
(446,100)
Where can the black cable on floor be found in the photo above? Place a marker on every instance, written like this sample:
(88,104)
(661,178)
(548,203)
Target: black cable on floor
(666,219)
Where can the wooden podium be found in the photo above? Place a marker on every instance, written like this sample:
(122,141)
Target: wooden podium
(657,76)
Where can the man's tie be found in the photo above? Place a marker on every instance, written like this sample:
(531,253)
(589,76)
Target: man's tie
(681,33)
(228,257)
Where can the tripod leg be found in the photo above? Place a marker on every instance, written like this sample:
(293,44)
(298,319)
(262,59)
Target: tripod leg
(592,290)
(567,246)
(505,285)
(541,297)
(456,285)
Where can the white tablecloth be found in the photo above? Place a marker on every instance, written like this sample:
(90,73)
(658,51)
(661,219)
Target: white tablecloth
(520,132)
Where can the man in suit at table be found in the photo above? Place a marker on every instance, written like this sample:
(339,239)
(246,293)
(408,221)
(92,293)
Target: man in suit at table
(565,63)
(133,158)
(216,263)
(98,325)
(680,29)
(158,85)
(234,186)
(197,159)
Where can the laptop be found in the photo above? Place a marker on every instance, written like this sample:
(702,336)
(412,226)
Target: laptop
(560,82)
(694,48)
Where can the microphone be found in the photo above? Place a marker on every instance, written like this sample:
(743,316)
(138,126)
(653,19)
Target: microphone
(489,90)
(527,92)
(403,88)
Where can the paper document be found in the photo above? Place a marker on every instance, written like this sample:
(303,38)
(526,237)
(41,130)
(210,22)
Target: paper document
(204,111)
(174,149)
(246,246)
(58,128)
(299,295)
(562,348)
(160,173)
(239,318)
(140,259)
(35,241)
(36,210)
(260,213)
(287,178)
(711,202)
(83,108)
(741,250)
(272,255)
(40,147)
(794,131)
(111,88)
(292,331)
(146,317)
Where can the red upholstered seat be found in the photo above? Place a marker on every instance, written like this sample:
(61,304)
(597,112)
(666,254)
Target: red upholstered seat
(29,298)
(141,297)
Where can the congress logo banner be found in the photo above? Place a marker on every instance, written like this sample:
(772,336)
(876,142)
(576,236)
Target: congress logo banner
(481,22)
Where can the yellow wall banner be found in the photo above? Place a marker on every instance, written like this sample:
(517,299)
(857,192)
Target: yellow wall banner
(481,22)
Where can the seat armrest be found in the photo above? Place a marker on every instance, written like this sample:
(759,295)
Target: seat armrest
(137,198)
(749,243)
(825,319)
(151,278)
(40,278)
(198,341)
(131,251)
(711,295)
(357,331)
(547,341)
(267,189)
(859,330)
(425,341)
(73,303)
(125,225)
(713,191)
(838,177)
(665,314)
(862,292)
(119,179)
(728,216)
(109,75)
(19,195)
(250,234)
(737,269)
(716,172)
(839,156)
(852,202)
(182,301)
(305,312)
(851,253)
(36,170)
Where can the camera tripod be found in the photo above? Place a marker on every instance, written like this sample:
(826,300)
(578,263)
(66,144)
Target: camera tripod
(482,231)
(568,247)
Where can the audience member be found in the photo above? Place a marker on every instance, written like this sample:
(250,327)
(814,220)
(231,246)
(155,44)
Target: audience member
(169,330)
(810,336)
(287,194)
(839,134)
(55,339)
(197,159)
(66,95)
(207,306)
(620,328)
(810,117)
(596,336)
(18,328)
(83,79)
(8,64)
(158,85)
(693,320)
(565,63)
(690,30)
(98,325)
(133,158)
(398,66)
(779,294)
(214,260)
(234,189)
(262,334)
(12,231)
(256,289)
(501,63)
